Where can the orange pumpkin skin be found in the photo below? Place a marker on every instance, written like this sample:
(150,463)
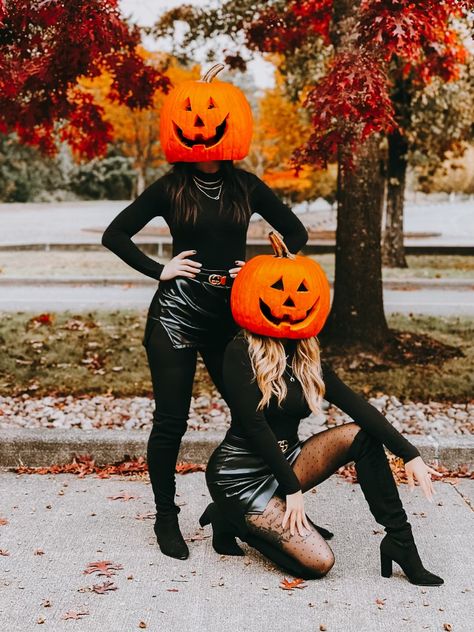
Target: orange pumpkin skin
(281,297)
(203,121)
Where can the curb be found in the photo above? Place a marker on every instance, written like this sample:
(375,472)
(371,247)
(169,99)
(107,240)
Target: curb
(162,247)
(40,447)
(393,284)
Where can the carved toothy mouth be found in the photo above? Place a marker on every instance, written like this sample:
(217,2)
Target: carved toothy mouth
(267,312)
(199,140)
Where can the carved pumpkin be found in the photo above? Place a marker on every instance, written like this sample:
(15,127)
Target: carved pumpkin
(281,295)
(203,121)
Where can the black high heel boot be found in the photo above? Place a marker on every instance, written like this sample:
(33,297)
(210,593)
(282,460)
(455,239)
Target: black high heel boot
(223,536)
(169,536)
(327,535)
(380,490)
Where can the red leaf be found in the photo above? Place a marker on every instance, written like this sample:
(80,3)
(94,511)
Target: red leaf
(290,585)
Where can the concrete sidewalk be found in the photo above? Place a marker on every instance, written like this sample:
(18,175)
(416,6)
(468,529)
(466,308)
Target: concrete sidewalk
(57,525)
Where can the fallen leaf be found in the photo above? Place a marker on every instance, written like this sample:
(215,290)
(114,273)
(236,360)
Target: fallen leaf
(290,585)
(146,516)
(101,589)
(4,552)
(123,497)
(39,552)
(188,468)
(75,614)
(142,625)
(3,521)
(103,567)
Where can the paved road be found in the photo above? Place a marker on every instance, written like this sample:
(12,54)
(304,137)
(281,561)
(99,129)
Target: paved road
(74,522)
(446,302)
(71,222)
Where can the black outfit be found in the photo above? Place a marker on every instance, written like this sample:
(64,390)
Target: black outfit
(189,314)
(255,459)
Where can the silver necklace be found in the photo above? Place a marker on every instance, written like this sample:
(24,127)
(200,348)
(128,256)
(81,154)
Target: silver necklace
(210,186)
(290,375)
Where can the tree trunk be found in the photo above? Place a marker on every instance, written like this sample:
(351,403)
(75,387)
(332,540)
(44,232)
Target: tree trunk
(393,249)
(357,313)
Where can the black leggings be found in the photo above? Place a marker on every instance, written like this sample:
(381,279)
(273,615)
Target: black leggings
(172,373)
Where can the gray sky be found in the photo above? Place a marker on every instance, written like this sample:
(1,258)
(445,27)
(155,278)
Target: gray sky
(146,12)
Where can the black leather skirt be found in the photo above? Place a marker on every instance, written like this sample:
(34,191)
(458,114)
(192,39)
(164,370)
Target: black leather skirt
(194,312)
(240,481)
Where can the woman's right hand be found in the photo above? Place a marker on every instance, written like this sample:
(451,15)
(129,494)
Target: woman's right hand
(180,266)
(295,514)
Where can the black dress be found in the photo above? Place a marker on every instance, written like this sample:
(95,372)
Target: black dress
(254,461)
(194,312)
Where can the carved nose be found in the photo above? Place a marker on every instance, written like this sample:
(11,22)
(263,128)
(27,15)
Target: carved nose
(198,122)
(289,302)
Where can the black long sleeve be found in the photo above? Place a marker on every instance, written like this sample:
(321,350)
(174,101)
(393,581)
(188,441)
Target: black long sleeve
(218,240)
(279,215)
(366,415)
(243,396)
(117,236)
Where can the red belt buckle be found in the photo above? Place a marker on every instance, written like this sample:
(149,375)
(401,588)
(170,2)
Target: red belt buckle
(217,279)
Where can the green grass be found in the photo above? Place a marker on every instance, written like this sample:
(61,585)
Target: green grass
(101,352)
(419,267)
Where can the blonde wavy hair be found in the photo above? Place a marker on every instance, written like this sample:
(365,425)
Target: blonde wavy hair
(268,358)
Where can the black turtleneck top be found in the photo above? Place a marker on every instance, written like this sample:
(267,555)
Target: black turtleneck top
(217,238)
(263,429)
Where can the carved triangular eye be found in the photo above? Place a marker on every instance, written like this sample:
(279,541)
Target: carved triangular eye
(187,105)
(211,104)
(302,287)
(278,285)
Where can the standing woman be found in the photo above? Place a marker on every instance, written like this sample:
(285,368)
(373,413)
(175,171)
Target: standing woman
(273,378)
(207,203)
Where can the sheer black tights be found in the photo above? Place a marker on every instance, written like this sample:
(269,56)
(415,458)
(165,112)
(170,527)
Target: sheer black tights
(305,555)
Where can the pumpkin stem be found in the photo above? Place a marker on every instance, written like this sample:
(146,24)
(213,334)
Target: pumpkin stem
(212,72)
(279,246)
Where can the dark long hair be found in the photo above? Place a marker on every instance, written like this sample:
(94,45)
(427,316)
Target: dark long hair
(183,193)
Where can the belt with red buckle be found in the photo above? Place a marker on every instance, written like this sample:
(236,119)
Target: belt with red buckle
(218,280)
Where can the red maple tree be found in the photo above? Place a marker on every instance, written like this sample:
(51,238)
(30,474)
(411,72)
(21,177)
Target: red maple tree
(392,40)
(44,47)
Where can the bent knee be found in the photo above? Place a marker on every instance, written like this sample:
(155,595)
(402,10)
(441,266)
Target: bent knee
(353,429)
(320,566)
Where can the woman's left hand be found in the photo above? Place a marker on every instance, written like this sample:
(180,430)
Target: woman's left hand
(234,271)
(417,469)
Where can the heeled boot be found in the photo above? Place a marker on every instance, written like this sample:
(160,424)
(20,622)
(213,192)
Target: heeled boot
(380,490)
(169,536)
(223,535)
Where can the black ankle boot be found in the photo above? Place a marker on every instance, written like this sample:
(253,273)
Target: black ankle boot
(327,535)
(407,557)
(223,536)
(380,490)
(169,536)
